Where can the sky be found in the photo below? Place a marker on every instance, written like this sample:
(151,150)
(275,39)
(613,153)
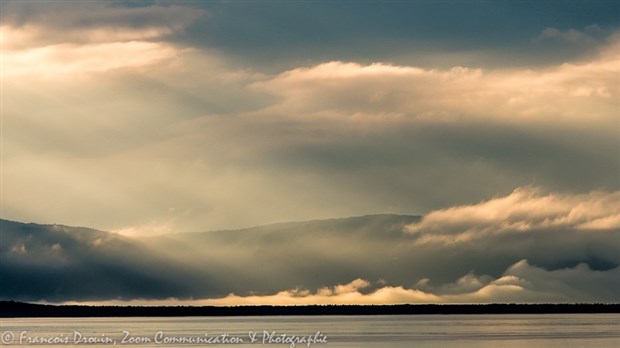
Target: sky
(497,122)
(147,117)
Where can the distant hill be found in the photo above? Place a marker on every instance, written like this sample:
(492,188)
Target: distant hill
(55,263)
(58,263)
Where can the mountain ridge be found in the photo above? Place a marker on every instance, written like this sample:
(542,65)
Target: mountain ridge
(273,224)
(321,260)
(44,261)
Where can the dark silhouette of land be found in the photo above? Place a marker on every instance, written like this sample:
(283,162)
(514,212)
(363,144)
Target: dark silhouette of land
(12,309)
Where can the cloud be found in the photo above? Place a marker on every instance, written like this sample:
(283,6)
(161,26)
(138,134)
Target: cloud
(592,35)
(125,116)
(524,247)
(521,283)
(326,148)
(574,93)
(500,290)
(339,294)
(525,210)
(66,60)
(166,121)
(36,25)
(152,229)
(572,284)
(90,37)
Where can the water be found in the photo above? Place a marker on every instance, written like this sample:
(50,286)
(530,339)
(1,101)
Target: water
(554,330)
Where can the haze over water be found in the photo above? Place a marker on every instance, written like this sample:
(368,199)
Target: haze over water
(566,330)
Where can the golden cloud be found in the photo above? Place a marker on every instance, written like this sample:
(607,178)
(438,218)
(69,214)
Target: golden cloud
(525,210)
(578,92)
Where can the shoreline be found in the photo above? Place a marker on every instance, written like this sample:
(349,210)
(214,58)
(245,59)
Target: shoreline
(13,309)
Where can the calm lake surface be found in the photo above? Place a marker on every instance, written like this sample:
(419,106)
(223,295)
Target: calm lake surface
(554,330)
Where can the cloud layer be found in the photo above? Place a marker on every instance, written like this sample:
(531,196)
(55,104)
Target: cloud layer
(173,129)
(338,138)
(525,214)
(525,210)
(524,247)
(88,38)
(521,283)
(578,93)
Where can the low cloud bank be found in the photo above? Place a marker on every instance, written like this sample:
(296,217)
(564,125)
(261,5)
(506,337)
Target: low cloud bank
(525,210)
(521,283)
(528,246)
